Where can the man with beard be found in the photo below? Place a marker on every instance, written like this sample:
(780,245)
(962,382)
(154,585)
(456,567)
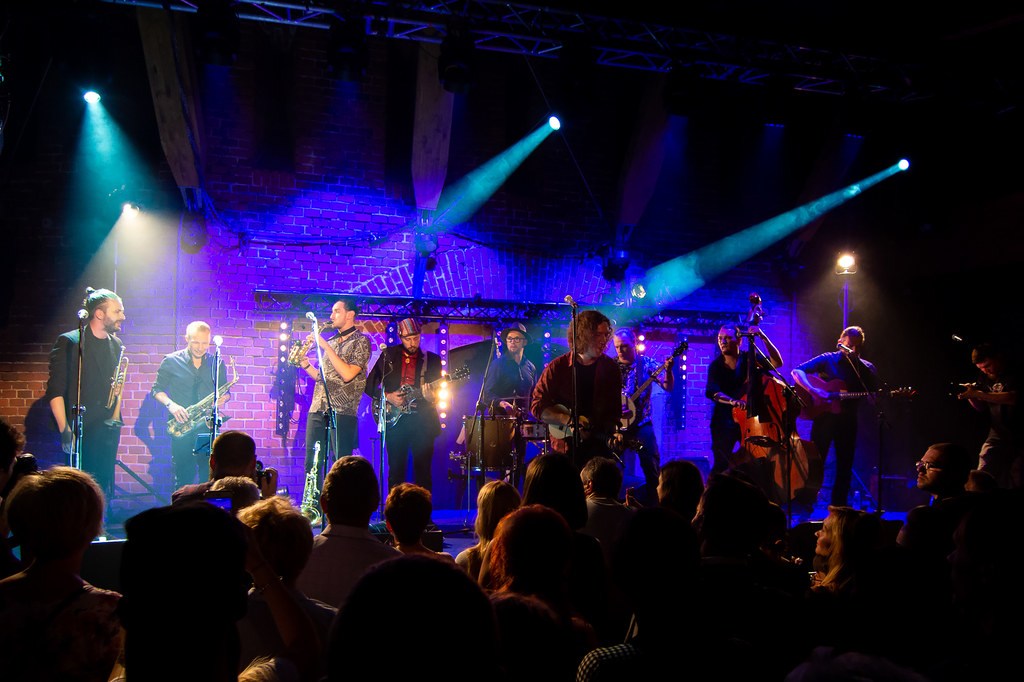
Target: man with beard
(101,351)
(599,389)
(727,384)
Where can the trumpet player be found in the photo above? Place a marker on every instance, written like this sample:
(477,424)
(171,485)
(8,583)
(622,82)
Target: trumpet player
(103,312)
(184,378)
(346,355)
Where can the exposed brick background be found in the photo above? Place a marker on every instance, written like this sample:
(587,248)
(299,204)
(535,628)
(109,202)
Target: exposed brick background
(331,213)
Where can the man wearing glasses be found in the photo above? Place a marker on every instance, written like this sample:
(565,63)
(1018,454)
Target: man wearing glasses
(509,386)
(599,390)
(943,471)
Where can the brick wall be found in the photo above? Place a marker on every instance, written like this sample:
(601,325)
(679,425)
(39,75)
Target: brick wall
(329,215)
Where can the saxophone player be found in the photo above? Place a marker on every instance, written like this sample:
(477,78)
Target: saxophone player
(184,378)
(346,356)
(101,350)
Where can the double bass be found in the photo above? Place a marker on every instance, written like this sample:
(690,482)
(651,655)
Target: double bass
(787,468)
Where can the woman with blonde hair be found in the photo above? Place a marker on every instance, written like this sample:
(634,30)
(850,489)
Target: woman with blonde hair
(53,624)
(845,540)
(495,500)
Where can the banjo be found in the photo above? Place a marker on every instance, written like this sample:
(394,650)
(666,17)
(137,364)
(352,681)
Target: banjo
(629,401)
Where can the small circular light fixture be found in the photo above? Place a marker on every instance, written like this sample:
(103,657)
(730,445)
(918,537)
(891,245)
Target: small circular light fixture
(554,123)
(846,264)
(129,210)
(903,164)
(91,96)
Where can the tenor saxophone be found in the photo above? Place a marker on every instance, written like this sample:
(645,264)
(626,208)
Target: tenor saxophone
(311,493)
(116,389)
(197,412)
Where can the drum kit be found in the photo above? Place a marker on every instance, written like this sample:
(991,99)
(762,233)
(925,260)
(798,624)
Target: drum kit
(490,442)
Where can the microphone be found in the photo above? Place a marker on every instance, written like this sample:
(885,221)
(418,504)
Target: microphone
(382,346)
(82,314)
(217,340)
(843,347)
(311,316)
(570,301)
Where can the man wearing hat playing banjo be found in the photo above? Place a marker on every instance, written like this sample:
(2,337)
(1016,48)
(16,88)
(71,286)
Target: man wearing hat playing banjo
(406,372)
(509,387)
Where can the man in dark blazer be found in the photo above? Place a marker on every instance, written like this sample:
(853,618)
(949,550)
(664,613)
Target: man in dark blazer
(404,373)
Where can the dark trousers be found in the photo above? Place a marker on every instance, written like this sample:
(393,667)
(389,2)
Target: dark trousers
(723,442)
(186,464)
(839,430)
(316,432)
(99,450)
(410,434)
(649,457)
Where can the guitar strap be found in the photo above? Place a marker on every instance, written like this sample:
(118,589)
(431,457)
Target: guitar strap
(853,366)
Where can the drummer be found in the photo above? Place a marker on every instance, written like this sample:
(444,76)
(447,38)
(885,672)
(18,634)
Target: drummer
(509,386)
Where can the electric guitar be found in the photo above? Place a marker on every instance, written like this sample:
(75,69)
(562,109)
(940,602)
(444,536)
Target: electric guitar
(815,406)
(629,401)
(392,413)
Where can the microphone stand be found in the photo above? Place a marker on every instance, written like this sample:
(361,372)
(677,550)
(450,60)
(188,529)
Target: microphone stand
(788,427)
(574,414)
(78,410)
(382,425)
(332,415)
(483,433)
(214,421)
(882,424)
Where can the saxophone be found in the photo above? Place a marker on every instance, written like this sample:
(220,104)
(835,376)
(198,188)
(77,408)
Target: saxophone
(310,494)
(197,412)
(300,348)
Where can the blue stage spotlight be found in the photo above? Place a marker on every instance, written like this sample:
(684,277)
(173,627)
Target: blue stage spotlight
(461,200)
(903,164)
(92,97)
(673,280)
(554,123)
(129,210)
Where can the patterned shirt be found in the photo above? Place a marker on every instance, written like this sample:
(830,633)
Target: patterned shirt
(633,375)
(353,349)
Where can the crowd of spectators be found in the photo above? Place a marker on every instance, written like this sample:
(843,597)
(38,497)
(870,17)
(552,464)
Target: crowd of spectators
(568,582)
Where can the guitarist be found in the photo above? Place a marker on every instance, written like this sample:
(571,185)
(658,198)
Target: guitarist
(635,371)
(599,385)
(184,378)
(408,365)
(727,384)
(840,430)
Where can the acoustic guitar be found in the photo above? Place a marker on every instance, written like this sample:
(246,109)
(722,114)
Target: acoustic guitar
(815,406)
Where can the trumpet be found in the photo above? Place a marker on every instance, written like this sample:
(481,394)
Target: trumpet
(116,389)
(300,348)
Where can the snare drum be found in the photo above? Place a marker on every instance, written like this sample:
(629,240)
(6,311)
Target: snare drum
(498,432)
(534,430)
